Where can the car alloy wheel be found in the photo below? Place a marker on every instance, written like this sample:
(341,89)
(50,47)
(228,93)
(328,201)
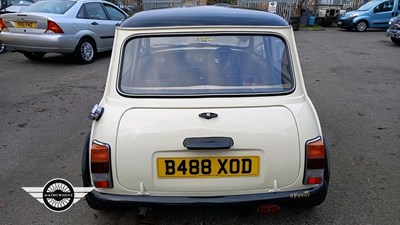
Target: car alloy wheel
(85,51)
(361,26)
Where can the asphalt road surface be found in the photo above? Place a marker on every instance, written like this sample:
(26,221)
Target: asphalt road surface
(352,78)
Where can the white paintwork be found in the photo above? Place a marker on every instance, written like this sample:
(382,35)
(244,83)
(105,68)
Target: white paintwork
(147,133)
(140,129)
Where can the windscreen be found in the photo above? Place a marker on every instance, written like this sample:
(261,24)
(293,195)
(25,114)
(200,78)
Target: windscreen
(206,65)
(367,6)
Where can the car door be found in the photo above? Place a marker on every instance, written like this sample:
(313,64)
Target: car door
(382,14)
(99,23)
(114,18)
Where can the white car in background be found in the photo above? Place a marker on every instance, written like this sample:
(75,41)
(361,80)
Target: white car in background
(205,106)
(81,28)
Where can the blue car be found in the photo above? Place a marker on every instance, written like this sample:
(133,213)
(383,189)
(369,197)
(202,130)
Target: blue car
(394,30)
(374,14)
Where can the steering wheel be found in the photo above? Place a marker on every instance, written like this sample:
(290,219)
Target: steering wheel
(225,61)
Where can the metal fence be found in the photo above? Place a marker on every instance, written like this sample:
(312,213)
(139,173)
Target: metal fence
(307,4)
(158,4)
(133,6)
(284,7)
(354,4)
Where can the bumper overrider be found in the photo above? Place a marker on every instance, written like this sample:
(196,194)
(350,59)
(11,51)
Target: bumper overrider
(346,23)
(289,197)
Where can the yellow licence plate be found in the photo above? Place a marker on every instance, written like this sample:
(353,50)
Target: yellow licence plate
(25,25)
(207,167)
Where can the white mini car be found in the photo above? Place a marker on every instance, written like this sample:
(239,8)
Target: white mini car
(205,106)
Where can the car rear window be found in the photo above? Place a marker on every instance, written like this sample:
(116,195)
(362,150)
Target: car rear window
(56,7)
(205,65)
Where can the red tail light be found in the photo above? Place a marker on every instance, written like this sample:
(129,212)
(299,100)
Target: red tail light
(315,162)
(314,180)
(269,209)
(3,26)
(101,184)
(100,165)
(52,27)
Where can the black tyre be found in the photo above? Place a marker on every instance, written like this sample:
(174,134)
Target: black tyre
(85,51)
(296,27)
(396,41)
(34,55)
(361,26)
(2,47)
(86,178)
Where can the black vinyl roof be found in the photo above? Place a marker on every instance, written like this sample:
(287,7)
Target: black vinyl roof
(203,16)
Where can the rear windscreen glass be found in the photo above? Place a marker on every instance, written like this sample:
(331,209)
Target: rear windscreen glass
(56,7)
(206,65)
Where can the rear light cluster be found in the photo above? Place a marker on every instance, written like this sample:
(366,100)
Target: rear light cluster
(100,165)
(315,162)
(3,26)
(53,28)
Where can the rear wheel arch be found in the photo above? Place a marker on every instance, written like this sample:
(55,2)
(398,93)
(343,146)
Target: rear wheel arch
(90,38)
(327,173)
(85,163)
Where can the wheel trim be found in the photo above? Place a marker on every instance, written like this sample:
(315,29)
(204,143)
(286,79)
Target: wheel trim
(361,26)
(87,51)
(2,47)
